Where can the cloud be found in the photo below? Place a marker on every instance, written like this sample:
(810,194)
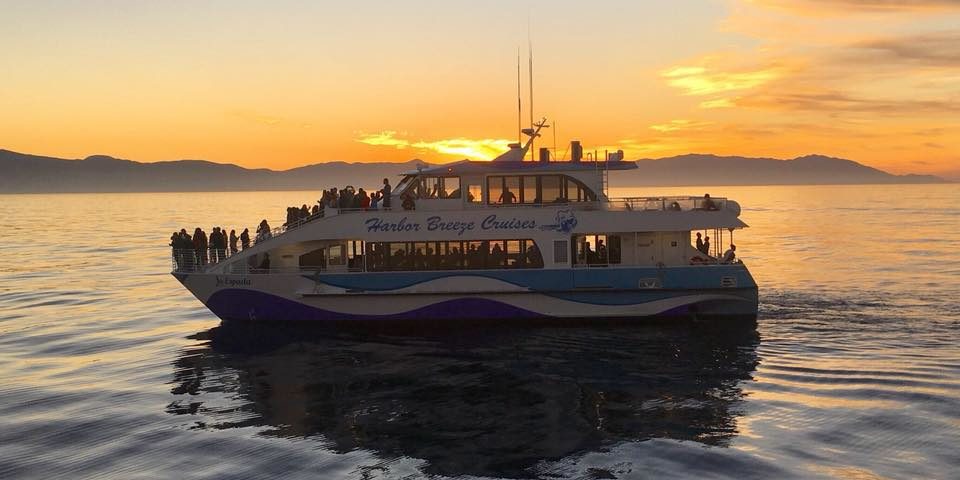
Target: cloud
(676,125)
(932,49)
(476,149)
(834,101)
(385,138)
(848,7)
(701,80)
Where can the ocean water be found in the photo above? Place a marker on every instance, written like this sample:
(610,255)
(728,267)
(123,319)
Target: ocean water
(111,370)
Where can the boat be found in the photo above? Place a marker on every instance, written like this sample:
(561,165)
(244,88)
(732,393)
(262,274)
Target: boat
(509,239)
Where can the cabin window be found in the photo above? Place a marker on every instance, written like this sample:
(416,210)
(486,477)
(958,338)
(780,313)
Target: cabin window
(529,189)
(314,258)
(535,189)
(474,193)
(453,255)
(596,249)
(494,189)
(438,187)
(355,254)
(335,255)
(550,189)
(451,187)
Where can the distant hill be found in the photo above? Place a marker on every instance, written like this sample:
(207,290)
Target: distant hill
(22,173)
(705,169)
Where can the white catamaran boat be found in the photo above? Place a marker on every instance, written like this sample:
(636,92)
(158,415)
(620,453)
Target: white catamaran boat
(505,239)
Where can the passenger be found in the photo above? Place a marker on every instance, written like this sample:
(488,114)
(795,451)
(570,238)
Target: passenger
(408,203)
(485,253)
(245,238)
(534,259)
(214,245)
(601,252)
(265,264)
(453,259)
(497,257)
(730,255)
(315,210)
(364,199)
(708,203)
(675,206)
(333,200)
(304,212)
(355,201)
(174,247)
(385,192)
(706,246)
(233,242)
(473,259)
(700,243)
(588,256)
(419,262)
(200,244)
(507,197)
(375,200)
(263,231)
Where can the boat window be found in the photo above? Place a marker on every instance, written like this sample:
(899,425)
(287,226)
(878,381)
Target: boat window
(404,184)
(596,249)
(314,258)
(494,189)
(453,255)
(528,193)
(438,187)
(335,255)
(355,254)
(474,193)
(550,189)
(451,187)
(535,189)
(511,190)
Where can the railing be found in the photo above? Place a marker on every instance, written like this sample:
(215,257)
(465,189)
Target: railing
(677,204)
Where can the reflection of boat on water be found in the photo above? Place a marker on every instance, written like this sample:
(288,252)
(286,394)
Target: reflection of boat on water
(506,239)
(476,404)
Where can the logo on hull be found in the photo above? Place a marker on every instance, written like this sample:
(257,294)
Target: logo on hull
(566,222)
(232,282)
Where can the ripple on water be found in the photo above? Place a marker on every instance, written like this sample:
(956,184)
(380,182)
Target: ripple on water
(111,370)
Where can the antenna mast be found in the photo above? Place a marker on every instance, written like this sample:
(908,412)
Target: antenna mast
(530,66)
(519,109)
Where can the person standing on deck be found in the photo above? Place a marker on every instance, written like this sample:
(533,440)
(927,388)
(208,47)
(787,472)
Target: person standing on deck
(233,242)
(386,193)
(245,238)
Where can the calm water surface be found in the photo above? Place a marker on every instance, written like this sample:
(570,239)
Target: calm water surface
(111,370)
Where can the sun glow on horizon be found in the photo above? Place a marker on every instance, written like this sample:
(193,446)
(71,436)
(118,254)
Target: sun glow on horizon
(299,83)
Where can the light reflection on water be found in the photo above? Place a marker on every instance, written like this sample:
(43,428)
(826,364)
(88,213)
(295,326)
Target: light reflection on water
(111,369)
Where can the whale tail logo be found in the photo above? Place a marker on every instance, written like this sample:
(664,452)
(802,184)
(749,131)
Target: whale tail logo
(566,222)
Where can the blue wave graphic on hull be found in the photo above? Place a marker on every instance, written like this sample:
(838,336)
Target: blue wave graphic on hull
(235,304)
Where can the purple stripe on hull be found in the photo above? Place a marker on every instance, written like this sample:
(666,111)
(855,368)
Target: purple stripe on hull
(235,304)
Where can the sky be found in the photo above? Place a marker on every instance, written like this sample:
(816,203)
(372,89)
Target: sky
(286,83)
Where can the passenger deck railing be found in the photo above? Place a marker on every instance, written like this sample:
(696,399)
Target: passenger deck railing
(676,204)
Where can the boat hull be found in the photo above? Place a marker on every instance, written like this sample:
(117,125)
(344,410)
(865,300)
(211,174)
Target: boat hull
(612,293)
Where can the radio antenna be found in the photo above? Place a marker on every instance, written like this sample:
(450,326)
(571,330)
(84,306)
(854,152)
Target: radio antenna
(530,67)
(519,109)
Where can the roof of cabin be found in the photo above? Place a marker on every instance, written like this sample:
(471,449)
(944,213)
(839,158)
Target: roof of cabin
(472,166)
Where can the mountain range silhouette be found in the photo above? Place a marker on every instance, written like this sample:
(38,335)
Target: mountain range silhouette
(24,173)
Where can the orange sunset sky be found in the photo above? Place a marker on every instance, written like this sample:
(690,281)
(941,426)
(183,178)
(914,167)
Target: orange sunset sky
(286,83)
